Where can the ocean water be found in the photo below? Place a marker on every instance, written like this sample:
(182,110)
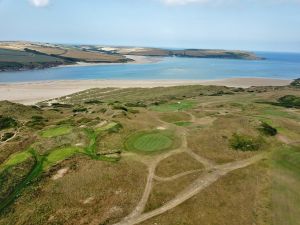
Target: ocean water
(276,65)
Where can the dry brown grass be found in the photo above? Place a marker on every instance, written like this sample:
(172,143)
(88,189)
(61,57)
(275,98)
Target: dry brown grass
(174,117)
(238,198)
(165,191)
(213,143)
(104,193)
(91,56)
(48,50)
(176,164)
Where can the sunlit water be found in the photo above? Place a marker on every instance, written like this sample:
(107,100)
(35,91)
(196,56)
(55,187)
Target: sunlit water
(276,65)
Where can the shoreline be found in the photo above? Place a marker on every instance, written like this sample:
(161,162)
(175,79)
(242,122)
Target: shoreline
(36,91)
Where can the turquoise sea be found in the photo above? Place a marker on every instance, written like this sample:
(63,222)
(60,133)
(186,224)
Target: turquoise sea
(276,65)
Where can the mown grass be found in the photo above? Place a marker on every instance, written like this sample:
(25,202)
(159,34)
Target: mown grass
(183,123)
(174,106)
(280,113)
(59,155)
(15,159)
(286,185)
(107,127)
(56,131)
(150,141)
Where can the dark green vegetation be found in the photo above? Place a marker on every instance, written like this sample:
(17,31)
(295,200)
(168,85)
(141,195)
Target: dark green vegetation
(86,159)
(245,143)
(7,122)
(267,129)
(289,101)
(296,83)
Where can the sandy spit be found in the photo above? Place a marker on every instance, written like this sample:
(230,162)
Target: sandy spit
(33,92)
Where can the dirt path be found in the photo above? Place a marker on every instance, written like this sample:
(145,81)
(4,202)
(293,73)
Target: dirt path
(211,173)
(193,189)
(177,176)
(208,164)
(9,139)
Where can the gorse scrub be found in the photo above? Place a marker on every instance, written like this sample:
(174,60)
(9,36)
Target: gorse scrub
(245,143)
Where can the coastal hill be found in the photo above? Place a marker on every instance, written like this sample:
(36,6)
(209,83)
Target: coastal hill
(29,55)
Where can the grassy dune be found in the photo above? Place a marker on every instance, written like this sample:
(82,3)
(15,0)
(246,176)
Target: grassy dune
(142,148)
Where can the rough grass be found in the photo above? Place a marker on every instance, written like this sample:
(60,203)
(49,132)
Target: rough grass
(177,164)
(173,117)
(93,192)
(56,131)
(150,141)
(240,197)
(163,192)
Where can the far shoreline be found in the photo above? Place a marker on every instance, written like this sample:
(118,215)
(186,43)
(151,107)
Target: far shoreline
(37,91)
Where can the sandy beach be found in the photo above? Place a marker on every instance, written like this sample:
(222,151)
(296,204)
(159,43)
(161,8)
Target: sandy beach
(136,60)
(33,92)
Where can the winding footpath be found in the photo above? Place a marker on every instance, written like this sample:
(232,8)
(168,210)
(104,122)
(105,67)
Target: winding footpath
(210,174)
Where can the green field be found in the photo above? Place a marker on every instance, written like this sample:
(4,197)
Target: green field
(285,187)
(174,107)
(150,141)
(15,159)
(59,155)
(56,131)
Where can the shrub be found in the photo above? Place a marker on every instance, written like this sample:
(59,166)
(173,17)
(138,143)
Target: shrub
(93,101)
(135,104)
(296,83)
(267,129)
(245,143)
(289,101)
(120,107)
(37,122)
(7,136)
(60,105)
(77,110)
(7,122)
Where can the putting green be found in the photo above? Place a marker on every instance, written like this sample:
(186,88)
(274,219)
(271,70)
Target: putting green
(150,141)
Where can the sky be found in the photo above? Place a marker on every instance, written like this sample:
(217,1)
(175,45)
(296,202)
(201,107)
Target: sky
(257,25)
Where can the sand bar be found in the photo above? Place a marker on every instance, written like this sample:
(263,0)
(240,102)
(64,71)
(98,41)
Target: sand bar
(33,92)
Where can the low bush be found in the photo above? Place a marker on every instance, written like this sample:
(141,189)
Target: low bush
(7,122)
(37,122)
(296,83)
(7,136)
(120,107)
(78,110)
(267,129)
(93,101)
(289,101)
(245,143)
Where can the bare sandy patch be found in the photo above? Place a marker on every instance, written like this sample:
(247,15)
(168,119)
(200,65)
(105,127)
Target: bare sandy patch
(60,173)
